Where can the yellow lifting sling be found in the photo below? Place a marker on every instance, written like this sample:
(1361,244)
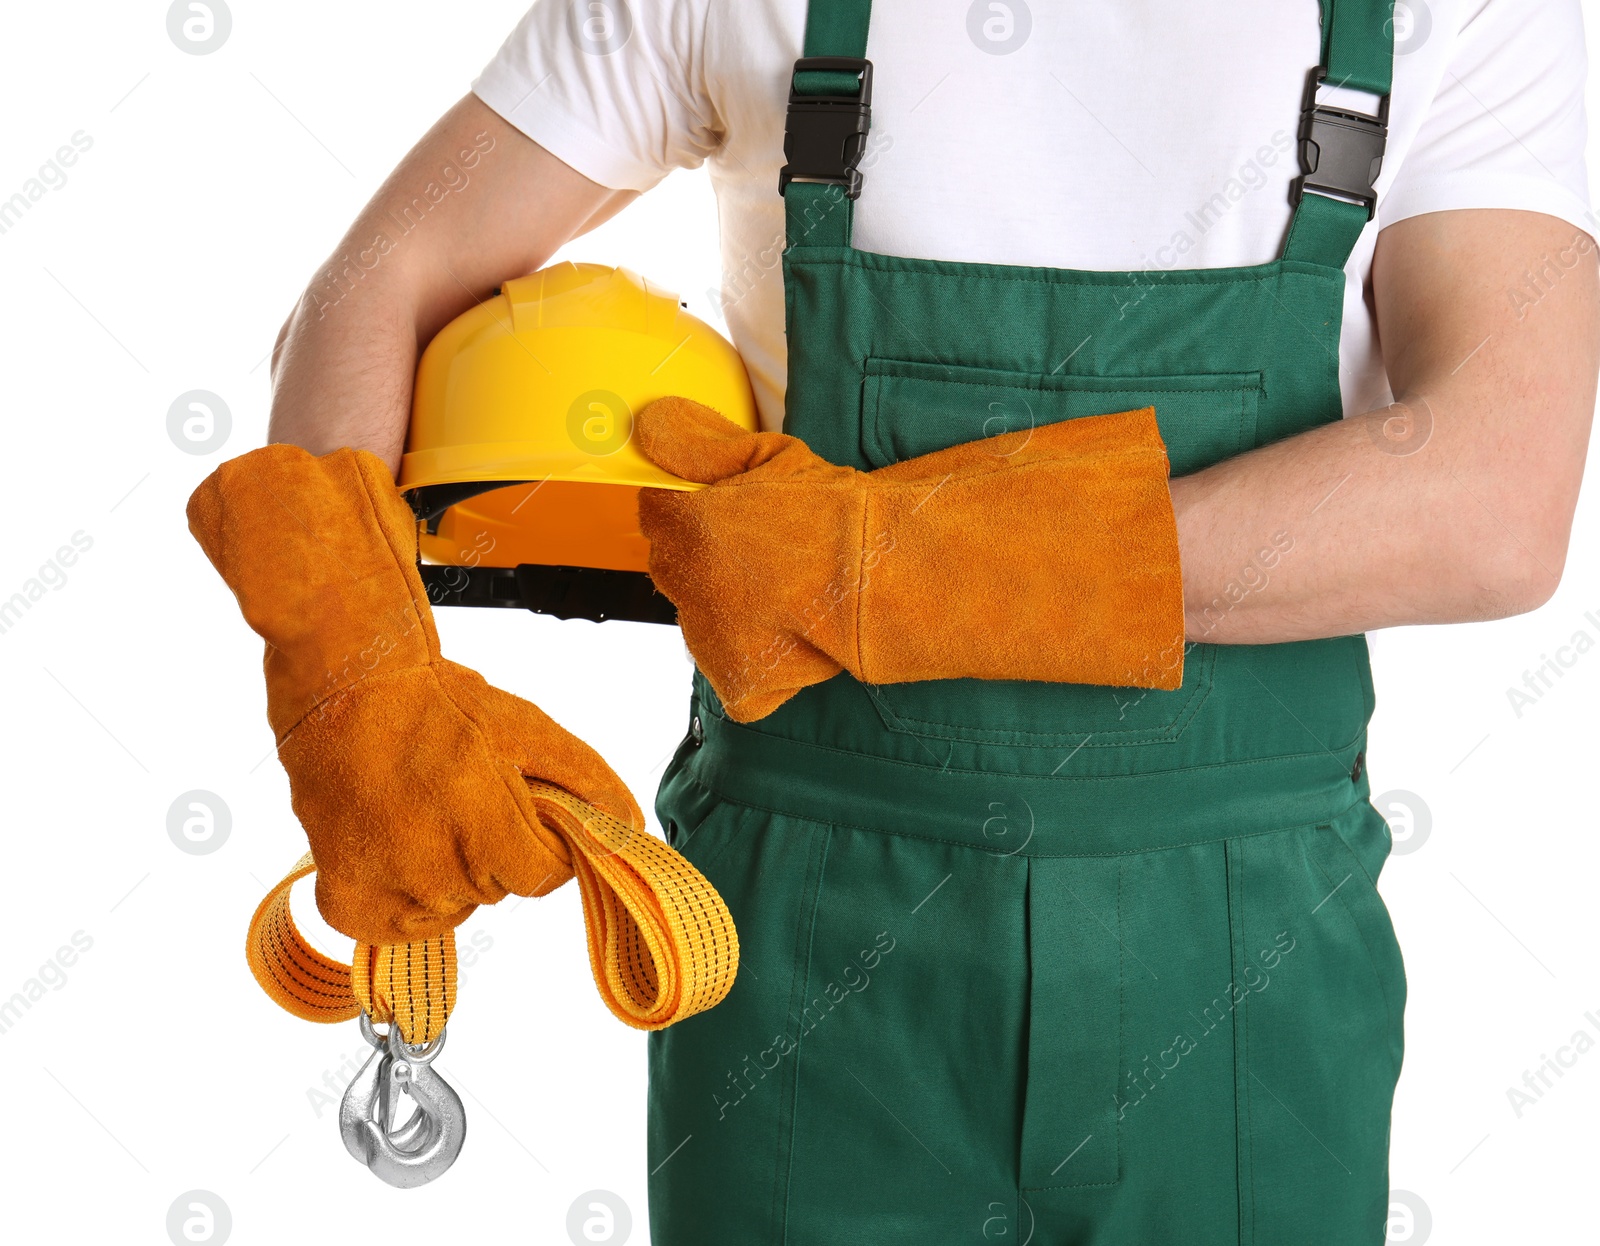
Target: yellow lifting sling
(662,947)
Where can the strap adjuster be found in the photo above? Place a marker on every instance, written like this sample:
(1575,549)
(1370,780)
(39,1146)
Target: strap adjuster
(1341,151)
(825,136)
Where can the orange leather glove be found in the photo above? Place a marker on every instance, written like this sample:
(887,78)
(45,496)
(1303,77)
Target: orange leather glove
(406,770)
(1049,554)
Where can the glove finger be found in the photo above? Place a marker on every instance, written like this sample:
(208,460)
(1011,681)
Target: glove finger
(691,440)
(385,915)
(528,858)
(753,675)
(754,706)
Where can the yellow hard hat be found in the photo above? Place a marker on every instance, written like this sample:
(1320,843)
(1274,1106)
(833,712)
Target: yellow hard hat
(520,450)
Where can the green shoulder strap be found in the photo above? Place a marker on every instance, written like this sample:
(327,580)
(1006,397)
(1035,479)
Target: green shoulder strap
(1357,52)
(818,214)
(1358,43)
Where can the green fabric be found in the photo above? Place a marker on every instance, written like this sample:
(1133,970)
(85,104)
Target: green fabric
(1026,962)
(837,27)
(817,213)
(826,82)
(1357,43)
(1324,230)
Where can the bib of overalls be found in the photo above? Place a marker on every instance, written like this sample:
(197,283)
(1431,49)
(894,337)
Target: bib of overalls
(1137,932)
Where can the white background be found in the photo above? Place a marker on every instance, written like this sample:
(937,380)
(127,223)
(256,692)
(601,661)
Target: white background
(153,1065)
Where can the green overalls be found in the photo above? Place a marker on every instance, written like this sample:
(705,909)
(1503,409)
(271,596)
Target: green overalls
(1028,962)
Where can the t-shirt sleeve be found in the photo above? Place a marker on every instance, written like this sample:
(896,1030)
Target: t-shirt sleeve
(1506,127)
(615,89)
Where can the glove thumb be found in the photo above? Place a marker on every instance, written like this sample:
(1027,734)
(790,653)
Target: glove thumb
(693,441)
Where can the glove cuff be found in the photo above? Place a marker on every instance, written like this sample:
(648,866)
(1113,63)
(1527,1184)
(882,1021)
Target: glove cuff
(1050,554)
(321,554)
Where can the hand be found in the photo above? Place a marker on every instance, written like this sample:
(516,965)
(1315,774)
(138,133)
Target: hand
(406,770)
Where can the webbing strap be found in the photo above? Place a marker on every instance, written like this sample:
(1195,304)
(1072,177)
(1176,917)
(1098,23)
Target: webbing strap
(837,28)
(1357,52)
(661,941)
(413,984)
(1323,230)
(662,945)
(817,214)
(1358,44)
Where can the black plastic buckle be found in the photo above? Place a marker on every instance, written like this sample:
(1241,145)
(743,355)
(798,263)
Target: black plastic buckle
(1341,151)
(825,136)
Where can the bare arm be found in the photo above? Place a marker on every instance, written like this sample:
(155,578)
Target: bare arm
(473,203)
(1454,505)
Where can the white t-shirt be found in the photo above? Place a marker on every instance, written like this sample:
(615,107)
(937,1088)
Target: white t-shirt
(1139,134)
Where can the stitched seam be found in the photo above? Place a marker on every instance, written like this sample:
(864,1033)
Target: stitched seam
(349,688)
(1042,389)
(1122,1010)
(429,644)
(1129,454)
(1053,856)
(423,608)
(1060,778)
(1165,734)
(1085,1185)
(874,380)
(990,774)
(1233,866)
(804,980)
(715,799)
(1274,270)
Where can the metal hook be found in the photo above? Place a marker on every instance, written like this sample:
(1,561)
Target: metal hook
(427,1144)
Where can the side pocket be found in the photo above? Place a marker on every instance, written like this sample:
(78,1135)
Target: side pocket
(682,801)
(1319,1038)
(1351,852)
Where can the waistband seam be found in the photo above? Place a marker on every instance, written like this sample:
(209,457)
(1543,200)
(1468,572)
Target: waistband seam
(721,795)
(736,729)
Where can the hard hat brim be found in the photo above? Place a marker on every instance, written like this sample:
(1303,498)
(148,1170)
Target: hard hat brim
(516,461)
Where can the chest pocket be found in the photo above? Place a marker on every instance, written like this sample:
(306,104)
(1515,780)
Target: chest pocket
(916,408)
(912,408)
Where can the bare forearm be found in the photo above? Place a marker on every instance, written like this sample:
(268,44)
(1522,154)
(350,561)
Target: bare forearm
(474,203)
(1454,505)
(1325,534)
(347,383)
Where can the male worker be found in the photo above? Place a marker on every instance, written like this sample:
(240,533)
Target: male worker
(1053,866)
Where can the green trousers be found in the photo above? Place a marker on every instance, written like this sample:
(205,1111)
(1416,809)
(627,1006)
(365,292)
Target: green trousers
(979,1024)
